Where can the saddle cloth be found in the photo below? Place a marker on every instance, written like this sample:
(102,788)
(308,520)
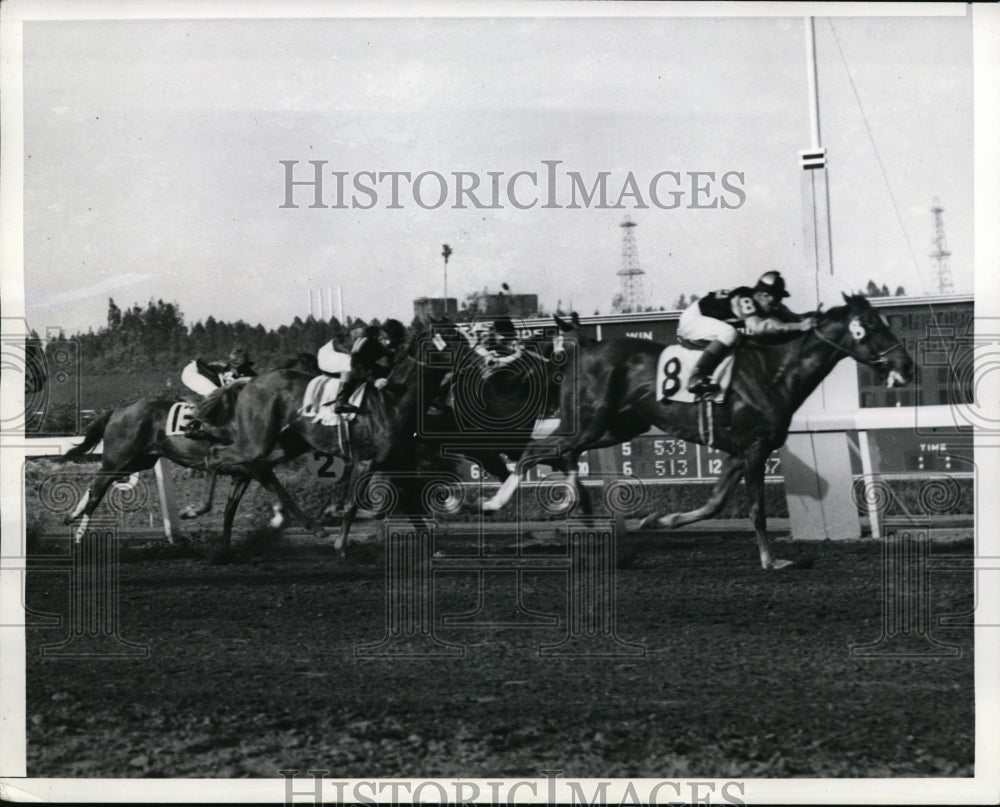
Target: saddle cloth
(673,371)
(179,416)
(317,402)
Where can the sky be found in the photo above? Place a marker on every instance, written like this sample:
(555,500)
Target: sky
(154,149)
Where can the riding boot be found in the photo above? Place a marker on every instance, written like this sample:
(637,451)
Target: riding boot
(347,387)
(701,383)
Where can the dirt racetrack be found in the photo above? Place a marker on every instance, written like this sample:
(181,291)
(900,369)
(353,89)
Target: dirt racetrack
(252,668)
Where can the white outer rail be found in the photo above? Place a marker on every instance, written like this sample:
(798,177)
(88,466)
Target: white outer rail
(865,420)
(899,417)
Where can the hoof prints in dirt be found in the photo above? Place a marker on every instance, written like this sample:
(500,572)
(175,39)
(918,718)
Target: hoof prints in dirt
(745,673)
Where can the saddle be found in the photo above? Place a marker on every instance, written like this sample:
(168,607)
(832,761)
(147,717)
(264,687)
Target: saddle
(319,397)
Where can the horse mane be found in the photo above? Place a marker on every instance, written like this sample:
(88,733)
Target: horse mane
(218,406)
(306,362)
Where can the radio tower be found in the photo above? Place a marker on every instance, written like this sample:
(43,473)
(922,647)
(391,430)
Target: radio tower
(631,297)
(941,253)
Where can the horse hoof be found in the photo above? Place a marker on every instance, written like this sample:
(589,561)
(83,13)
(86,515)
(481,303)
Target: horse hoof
(648,522)
(188,512)
(781,564)
(487,506)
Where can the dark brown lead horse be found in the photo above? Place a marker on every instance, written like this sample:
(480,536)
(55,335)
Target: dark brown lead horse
(612,398)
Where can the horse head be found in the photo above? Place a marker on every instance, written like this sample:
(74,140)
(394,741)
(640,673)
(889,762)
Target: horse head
(864,334)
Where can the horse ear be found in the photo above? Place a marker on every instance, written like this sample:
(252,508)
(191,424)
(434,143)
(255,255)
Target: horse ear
(563,326)
(846,298)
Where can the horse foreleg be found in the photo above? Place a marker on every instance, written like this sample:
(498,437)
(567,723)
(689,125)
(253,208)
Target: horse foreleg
(270,482)
(542,451)
(193,512)
(728,480)
(341,502)
(240,485)
(340,543)
(756,458)
(279,516)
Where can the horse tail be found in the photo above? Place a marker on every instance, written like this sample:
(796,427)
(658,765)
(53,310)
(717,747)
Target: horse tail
(218,406)
(94,435)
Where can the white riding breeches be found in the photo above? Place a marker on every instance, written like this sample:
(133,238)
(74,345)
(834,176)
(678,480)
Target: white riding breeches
(695,326)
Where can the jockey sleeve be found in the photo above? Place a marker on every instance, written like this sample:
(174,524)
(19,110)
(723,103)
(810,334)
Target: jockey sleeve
(729,305)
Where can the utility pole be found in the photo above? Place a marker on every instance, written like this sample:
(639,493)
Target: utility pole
(941,253)
(631,295)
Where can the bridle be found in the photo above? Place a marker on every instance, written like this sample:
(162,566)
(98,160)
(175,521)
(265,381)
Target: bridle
(880,359)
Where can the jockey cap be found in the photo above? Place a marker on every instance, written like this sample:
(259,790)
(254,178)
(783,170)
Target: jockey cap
(395,330)
(772,283)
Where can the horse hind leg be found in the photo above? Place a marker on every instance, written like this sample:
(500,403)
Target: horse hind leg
(193,512)
(88,503)
(728,480)
(755,489)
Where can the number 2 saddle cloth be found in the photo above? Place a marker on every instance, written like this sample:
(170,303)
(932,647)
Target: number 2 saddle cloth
(673,371)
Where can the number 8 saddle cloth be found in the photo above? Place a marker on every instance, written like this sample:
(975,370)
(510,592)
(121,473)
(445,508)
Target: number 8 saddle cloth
(674,368)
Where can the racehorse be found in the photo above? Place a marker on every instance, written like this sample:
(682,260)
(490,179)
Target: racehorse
(494,405)
(613,396)
(135,437)
(269,426)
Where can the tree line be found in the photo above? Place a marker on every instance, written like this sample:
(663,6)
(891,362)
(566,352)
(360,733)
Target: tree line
(156,337)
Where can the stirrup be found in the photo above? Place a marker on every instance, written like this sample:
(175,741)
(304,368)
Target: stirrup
(344,408)
(703,387)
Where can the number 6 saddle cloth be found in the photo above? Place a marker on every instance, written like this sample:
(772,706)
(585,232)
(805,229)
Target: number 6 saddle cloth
(674,368)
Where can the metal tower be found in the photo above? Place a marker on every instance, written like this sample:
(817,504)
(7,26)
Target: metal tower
(941,253)
(630,297)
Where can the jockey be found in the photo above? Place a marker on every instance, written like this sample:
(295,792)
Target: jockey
(504,338)
(718,315)
(395,338)
(370,361)
(222,374)
(237,366)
